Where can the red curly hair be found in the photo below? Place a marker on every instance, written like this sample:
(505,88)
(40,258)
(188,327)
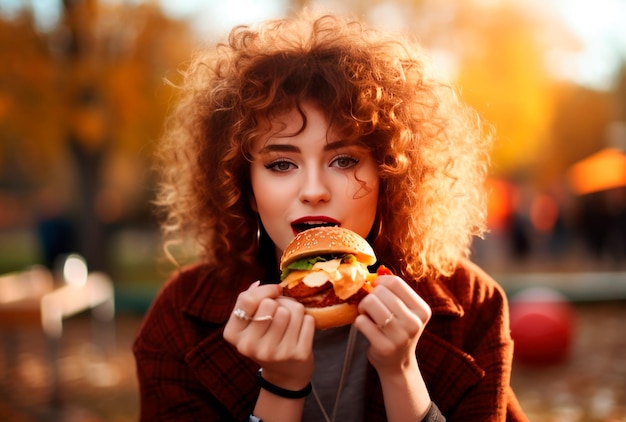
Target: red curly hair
(432,150)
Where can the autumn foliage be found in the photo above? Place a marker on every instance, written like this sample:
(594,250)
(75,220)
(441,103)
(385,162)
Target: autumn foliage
(91,87)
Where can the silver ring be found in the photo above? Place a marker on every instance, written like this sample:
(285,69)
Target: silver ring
(387,321)
(243,315)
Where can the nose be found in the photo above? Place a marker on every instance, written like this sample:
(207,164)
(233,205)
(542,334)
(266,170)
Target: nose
(314,187)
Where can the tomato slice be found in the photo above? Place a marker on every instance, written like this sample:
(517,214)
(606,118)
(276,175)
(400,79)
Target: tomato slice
(382,270)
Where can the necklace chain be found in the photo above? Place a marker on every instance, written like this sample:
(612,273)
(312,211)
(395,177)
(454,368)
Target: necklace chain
(344,371)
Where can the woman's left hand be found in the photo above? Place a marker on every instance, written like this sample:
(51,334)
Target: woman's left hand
(392,317)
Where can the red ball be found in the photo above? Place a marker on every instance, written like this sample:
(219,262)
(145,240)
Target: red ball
(542,325)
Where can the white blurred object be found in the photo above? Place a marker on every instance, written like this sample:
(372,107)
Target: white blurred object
(75,270)
(95,293)
(24,285)
(31,298)
(31,295)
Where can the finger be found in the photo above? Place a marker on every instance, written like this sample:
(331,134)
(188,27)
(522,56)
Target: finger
(268,342)
(250,299)
(287,313)
(378,311)
(401,321)
(263,316)
(291,333)
(307,333)
(247,304)
(371,331)
(295,308)
(387,321)
(400,289)
(302,323)
(391,316)
(295,312)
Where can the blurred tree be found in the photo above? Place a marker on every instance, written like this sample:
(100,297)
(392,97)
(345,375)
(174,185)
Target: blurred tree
(578,129)
(503,75)
(29,110)
(620,95)
(83,103)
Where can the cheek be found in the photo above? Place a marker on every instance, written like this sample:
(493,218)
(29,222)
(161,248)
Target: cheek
(267,194)
(369,200)
(365,184)
(367,194)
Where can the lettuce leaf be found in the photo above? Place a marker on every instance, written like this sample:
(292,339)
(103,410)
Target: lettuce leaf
(307,263)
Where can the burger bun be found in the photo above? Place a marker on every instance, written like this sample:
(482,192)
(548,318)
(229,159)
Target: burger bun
(333,315)
(327,241)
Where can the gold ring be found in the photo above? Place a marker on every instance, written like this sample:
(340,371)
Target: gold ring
(387,321)
(263,318)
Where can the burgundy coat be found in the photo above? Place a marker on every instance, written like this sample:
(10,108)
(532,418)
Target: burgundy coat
(188,372)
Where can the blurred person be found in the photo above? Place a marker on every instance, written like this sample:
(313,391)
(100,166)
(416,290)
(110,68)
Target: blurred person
(601,223)
(520,231)
(55,229)
(315,120)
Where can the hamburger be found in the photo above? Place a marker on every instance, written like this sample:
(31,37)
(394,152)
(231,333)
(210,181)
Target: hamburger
(326,269)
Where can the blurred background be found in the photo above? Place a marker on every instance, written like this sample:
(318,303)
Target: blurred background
(82,102)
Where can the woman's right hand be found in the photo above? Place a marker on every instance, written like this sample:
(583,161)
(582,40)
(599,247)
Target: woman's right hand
(283,344)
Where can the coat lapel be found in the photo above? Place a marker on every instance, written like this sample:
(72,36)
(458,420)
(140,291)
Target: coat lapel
(448,371)
(231,378)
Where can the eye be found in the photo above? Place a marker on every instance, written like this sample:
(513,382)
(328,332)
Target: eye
(344,162)
(280,166)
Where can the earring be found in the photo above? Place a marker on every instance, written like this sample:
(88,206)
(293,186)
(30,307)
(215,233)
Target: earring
(258,234)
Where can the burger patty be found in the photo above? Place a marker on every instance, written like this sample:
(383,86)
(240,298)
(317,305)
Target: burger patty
(302,290)
(320,297)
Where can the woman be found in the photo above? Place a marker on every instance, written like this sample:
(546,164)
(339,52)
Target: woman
(319,120)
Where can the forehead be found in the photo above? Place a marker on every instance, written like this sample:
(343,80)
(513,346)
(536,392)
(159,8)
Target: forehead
(288,125)
(284,126)
(299,113)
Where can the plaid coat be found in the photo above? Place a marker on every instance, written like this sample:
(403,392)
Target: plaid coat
(188,372)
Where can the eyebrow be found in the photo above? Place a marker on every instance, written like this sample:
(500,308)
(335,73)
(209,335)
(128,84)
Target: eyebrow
(294,148)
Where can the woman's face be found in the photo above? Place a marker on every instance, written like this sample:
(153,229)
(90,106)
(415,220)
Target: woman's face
(312,178)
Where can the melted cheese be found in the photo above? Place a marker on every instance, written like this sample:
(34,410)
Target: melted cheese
(293,277)
(316,278)
(354,277)
(328,266)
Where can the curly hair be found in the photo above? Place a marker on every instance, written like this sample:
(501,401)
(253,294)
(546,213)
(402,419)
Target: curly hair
(432,150)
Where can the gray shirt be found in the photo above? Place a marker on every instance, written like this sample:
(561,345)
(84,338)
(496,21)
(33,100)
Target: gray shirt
(329,350)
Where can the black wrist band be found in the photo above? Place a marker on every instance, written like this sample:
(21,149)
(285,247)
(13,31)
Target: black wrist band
(274,389)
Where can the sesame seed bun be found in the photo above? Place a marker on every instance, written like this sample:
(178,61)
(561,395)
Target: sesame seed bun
(325,241)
